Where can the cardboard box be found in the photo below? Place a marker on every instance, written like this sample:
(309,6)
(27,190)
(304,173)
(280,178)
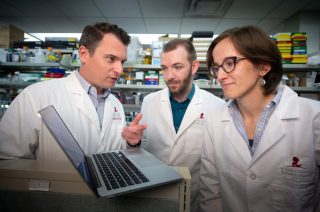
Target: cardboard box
(9,34)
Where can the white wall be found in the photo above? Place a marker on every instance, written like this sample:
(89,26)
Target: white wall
(309,22)
(305,21)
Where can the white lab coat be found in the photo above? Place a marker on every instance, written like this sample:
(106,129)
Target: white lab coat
(24,135)
(182,148)
(268,181)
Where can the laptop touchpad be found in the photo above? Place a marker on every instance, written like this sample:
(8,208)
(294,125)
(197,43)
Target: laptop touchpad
(146,161)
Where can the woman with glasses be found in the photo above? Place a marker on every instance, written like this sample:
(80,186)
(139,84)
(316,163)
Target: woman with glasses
(262,148)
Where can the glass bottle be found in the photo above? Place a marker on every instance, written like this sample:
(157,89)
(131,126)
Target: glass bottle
(147,57)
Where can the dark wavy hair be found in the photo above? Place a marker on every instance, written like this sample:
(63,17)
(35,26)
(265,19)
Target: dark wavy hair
(93,34)
(258,47)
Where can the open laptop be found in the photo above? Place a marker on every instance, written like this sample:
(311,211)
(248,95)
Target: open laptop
(111,173)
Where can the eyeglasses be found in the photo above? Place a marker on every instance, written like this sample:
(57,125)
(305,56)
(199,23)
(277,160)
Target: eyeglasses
(228,65)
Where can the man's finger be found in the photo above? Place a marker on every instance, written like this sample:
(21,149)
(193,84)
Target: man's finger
(133,129)
(136,119)
(141,126)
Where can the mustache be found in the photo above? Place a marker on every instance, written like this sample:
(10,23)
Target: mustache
(172,81)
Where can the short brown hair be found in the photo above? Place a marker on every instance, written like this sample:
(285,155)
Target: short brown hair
(186,44)
(258,47)
(93,34)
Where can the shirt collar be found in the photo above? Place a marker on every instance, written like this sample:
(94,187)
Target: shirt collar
(233,104)
(190,95)
(88,88)
(277,98)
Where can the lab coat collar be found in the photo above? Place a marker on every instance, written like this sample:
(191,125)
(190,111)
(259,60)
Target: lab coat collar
(288,108)
(192,113)
(81,99)
(232,135)
(165,110)
(273,132)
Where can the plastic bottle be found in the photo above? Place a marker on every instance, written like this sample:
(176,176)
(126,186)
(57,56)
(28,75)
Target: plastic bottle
(39,57)
(51,57)
(75,60)
(16,77)
(24,54)
(16,56)
(140,59)
(58,56)
(129,77)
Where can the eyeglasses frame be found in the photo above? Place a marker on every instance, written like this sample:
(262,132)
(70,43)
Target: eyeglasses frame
(235,60)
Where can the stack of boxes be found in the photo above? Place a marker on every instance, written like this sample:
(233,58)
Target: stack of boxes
(151,78)
(201,41)
(284,45)
(201,45)
(161,78)
(53,73)
(292,46)
(156,52)
(299,47)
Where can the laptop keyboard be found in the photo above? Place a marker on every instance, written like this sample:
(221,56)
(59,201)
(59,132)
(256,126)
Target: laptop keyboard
(118,171)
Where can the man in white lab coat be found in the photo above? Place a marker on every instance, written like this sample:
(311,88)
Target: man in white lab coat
(94,116)
(176,115)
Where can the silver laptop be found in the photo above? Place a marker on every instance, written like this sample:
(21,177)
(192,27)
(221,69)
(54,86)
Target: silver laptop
(111,173)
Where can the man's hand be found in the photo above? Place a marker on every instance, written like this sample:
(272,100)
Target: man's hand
(133,133)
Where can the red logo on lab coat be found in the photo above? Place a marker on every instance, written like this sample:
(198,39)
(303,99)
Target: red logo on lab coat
(201,116)
(116,114)
(295,162)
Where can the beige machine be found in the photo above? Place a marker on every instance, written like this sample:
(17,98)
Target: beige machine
(31,185)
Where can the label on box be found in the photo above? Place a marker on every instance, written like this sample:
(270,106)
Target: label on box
(39,185)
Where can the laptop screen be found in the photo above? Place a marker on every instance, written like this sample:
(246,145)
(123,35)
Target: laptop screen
(67,142)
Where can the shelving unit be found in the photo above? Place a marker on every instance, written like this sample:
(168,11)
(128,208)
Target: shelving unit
(131,107)
(23,66)
(27,65)
(300,68)
(19,84)
(45,65)
(10,67)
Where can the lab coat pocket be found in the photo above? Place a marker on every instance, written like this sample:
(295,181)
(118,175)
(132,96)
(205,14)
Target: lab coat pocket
(292,198)
(194,140)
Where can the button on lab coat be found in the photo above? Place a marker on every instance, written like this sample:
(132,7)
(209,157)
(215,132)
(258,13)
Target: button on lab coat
(24,135)
(184,147)
(283,173)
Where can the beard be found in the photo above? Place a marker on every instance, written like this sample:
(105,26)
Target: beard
(179,87)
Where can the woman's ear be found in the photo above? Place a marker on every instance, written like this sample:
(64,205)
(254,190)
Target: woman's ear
(263,69)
